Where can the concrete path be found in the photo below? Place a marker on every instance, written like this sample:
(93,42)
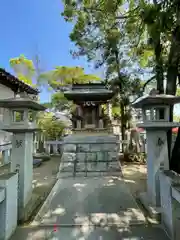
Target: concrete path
(90,233)
(96,208)
(92,208)
(91,201)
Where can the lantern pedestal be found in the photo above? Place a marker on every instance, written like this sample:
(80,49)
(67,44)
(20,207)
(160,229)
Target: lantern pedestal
(157,158)
(22,161)
(20,119)
(156,111)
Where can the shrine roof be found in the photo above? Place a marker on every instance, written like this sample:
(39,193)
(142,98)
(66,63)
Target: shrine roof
(89,91)
(20,102)
(15,84)
(99,85)
(158,99)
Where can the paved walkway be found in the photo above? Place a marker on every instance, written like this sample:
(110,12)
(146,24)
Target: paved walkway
(93,208)
(91,201)
(91,233)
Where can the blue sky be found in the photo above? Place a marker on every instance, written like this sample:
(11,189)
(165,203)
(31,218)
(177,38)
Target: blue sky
(36,27)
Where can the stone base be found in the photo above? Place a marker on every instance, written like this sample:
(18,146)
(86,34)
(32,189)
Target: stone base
(153,211)
(84,155)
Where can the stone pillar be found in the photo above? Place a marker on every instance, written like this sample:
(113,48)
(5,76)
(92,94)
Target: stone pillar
(5,156)
(157,154)
(22,160)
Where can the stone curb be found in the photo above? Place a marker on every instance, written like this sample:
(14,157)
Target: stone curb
(46,203)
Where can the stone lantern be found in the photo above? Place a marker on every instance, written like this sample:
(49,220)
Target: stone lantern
(20,119)
(156,112)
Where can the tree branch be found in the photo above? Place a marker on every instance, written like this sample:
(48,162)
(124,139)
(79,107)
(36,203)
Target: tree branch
(148,81)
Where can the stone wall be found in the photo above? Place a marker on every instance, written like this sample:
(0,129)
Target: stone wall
(93,153)
(8,208)
(170,203)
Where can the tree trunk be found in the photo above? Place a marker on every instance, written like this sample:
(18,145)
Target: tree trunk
(175,163)
(121,102)
(159,66)
(158,55)
(171,89)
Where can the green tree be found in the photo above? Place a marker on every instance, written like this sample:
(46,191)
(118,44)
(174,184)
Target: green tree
(51,127)
(63,76)
(148,30)
(61,79)
(98,36)
(24,68)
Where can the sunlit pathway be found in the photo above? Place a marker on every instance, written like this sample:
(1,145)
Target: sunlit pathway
(94,208)
(91,201)
(90,209)
(92,233)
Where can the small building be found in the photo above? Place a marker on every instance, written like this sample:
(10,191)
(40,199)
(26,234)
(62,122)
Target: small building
(91,111)
(92,148)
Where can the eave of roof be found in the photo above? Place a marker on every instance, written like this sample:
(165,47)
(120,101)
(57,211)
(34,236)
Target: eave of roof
(15,84)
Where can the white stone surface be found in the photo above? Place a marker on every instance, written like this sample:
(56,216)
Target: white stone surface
(166,203)
(8,208)
(156,142)
(22,161)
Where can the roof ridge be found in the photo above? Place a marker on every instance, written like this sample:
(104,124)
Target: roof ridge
(14,80)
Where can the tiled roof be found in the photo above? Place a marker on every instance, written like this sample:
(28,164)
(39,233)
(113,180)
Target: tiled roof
(15,84)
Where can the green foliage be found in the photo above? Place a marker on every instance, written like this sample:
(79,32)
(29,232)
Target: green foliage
(116,111)
(64,76)
(176,118)
(59,102)
(117,35)
(51,127)
(24,68)
(178,92)
(99,35)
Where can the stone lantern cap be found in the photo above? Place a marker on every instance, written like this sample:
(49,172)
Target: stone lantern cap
(156,99)
(20,102)
(156,110)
